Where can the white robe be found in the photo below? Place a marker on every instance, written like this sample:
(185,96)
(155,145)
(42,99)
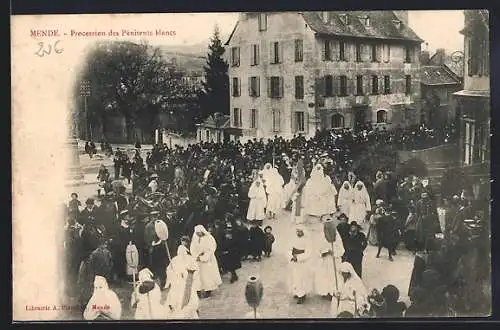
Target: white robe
(345,200)
(176,282)
(275,191)
(204,247)
(324,272)
(104,300)
(319,195)
(361,205)
(348,302)
(258,202)
(300,281)
(148,304)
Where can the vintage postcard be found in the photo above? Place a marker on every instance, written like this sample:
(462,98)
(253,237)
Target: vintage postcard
(256,165)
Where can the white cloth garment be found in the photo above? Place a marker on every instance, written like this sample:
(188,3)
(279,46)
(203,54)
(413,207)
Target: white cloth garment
(353,293)
(258,201)
(104,302)
(324,274)
(203,248)
(319,193)
(361,203)
(148,304)
(177,276)
(345,198)
(274,189)
(300,280)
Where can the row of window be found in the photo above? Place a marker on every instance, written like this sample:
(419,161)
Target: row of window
(298,121)
(329,86)
(333,50)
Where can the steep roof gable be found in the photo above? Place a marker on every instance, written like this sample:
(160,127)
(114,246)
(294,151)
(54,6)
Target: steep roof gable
(381,26)
(438,75)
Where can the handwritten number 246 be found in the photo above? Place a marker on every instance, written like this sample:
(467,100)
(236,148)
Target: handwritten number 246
(43,50)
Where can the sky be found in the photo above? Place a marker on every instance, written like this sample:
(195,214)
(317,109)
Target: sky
(439,28)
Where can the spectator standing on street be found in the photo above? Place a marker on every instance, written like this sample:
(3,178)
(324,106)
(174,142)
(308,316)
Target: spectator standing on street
(117,161)
(354,246)
(268,241)
(257,241)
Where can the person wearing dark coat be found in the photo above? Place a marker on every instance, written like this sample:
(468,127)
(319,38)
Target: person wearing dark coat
(88,214)
(230,258)
(159,261)
(387,233)
(354,246)
(343,227)
(242,236)
(123,236)
(268,241)
(393,307)
(428,222)
(257,241)
(117,163)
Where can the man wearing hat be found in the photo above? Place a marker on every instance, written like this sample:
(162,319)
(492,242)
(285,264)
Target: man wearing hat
(230,257)
(428,220)
(89,213)
(124,235)
(153,184)
(354,246)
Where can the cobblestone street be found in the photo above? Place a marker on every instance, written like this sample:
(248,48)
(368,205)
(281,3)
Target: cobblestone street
(229,300)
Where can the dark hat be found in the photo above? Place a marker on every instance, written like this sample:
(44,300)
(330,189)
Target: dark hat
(354,223)
(342,216)
(89,201)
(124,212)
(268,227)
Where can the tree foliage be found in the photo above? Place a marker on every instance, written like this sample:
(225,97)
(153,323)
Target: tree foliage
(133,80)
(215,97)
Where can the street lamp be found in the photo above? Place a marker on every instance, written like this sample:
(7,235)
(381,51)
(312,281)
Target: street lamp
(85,91)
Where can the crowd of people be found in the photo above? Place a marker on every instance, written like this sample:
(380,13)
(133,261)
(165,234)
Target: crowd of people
(214,198)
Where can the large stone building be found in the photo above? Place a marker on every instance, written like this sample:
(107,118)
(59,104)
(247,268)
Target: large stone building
(294,72)
(473,102)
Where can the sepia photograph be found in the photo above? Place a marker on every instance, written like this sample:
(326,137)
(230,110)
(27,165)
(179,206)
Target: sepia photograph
(251,165)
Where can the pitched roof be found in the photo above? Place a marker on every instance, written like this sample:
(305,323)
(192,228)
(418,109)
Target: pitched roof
(216,121)
(438,75)
(381,25)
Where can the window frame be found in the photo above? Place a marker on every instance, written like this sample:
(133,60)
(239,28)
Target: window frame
(359,52)
(235,63)
(374,53)
(387,85)
(328,79)
(359,86)
(337,115)
(408,85)
(253,118)
(254,92)
(375,82)
(299,87)
(299,50)
(300,119)
(262,22)
(276,120)
(342,49)
(385,116)
(255,54)
(343,85)
(237,121)
(236,91)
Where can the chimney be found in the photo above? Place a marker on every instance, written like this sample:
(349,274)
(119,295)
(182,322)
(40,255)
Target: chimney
(402,15)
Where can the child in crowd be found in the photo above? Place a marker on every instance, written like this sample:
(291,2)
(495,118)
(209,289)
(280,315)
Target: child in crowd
(257,241)
(268,241)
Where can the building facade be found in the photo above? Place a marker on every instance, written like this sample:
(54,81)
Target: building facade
(438,84)
(473,102)
(296,72)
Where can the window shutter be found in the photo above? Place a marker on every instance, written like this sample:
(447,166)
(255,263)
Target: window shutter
(469,61)
(256,118)
(379,53)
(278,120)
(252,55)
(335,86)
(257,55)
(347,51)
(320,86)
(271,52)
(366,53)
(293,122)
(280,50)
(323,53)
(282,87)
(306,122)
(381,84)
(366,85)
(486,58)
(268,86)
(335,48)
(250,86)
(258,86)
(239,87)
(351,85)
(240,124)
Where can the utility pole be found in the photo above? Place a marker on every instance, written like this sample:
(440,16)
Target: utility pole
(85,91)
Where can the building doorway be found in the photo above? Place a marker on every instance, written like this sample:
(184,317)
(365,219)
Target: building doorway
(337,121)
(381,116)
(360,117)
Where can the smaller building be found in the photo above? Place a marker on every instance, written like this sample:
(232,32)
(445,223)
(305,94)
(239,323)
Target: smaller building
(438,83)
(213,129)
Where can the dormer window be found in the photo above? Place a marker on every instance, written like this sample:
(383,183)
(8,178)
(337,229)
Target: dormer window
(397,23)
(325,16)
(345,19)
(365,20)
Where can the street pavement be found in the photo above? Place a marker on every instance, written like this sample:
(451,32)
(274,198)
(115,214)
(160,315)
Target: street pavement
(229,300)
